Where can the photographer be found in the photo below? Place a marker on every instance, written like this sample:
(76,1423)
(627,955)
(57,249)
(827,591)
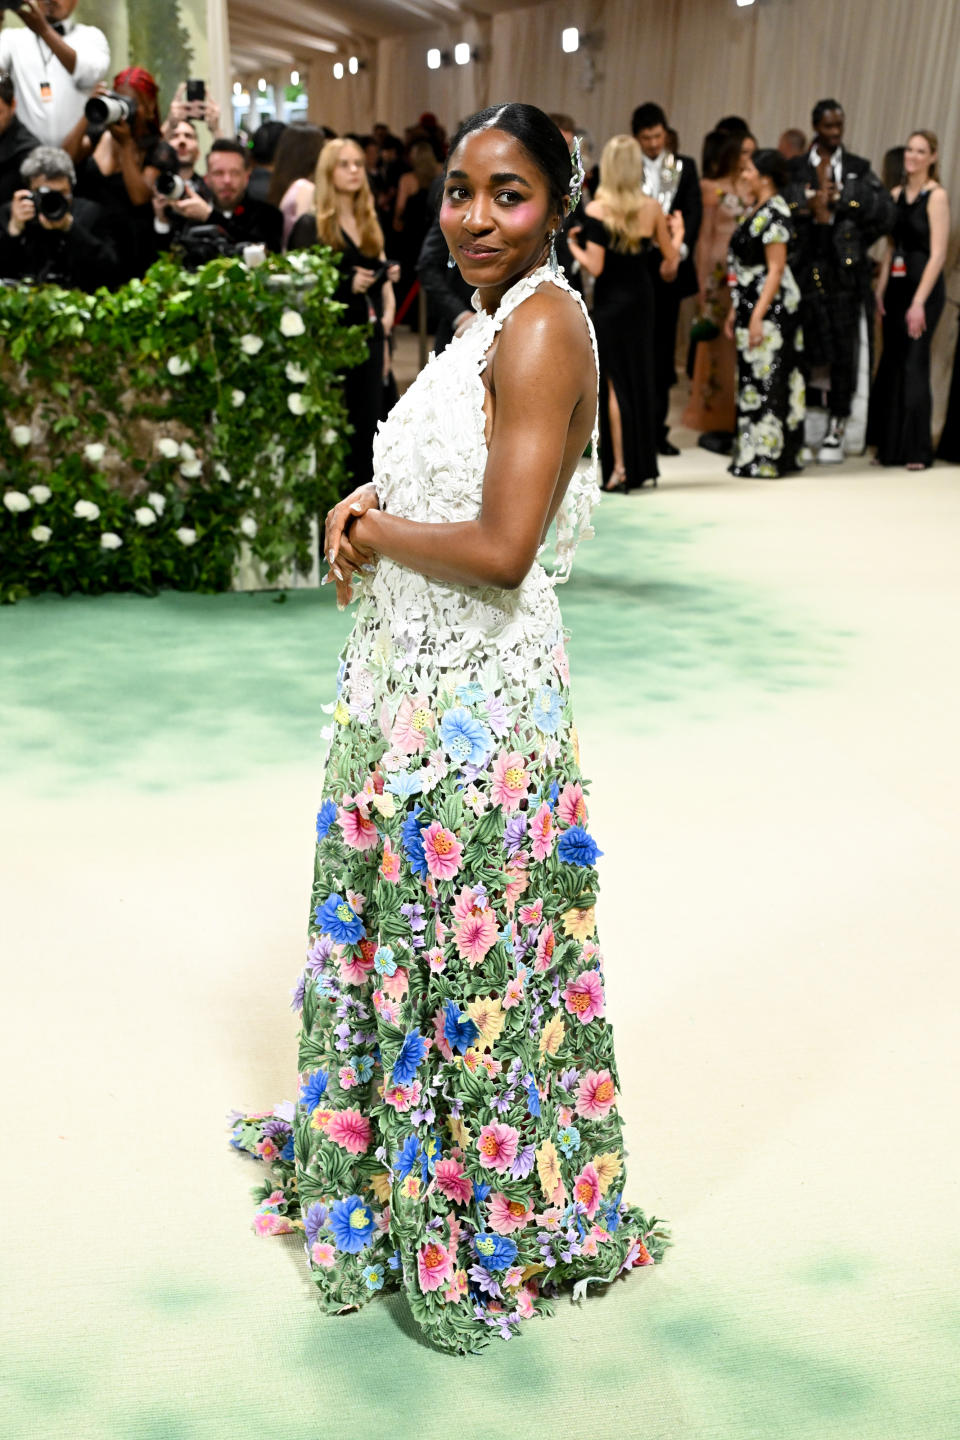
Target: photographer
(243,221)
(49,237)
(119,153)
(54,64)
(185,107)
(16,141)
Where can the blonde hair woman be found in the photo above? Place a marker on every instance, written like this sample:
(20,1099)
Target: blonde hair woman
(622,228)
(345,219)
(910,297)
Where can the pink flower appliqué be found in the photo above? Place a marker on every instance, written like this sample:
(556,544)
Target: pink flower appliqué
(355,969)
(586,1189)
(453,1182)
(517,882)
(546,944)
(390,863)
(434,1266)
(498,1146)
(323,1255)
(414,719)
(542,832)
(532,914)
(595,1094)
(571,807)
(442,850)
(476,929)
(358,832)
(268,1222)
(352,1130)
(510,782)
(583,996)
(513,993)
(402,1097)
(505,1215)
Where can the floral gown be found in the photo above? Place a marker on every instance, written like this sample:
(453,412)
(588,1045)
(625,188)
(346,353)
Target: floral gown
(456,1131)
(771,394)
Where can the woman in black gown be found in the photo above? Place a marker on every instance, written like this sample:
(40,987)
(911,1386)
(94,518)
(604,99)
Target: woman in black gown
(346,220)
(621,224)
(910,297)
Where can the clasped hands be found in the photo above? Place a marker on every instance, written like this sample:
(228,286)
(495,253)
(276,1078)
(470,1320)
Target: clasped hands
(344,551)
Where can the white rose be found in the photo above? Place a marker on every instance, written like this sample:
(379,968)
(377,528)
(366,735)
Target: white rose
(110,541)
(329,436)
(178,366)
(40,493)
(158,502)
(291,324)
(249,526)
(86,510)
(237,398)
(41,533)
(187,451)
(186,536)
(222,473)
(191,469)
(16,502)
(296,374)
(21,435)
(94,453)
(251,344)
(168,448)
(296,403)
(144,515)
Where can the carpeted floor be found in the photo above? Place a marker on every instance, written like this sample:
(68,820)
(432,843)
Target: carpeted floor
(769,706)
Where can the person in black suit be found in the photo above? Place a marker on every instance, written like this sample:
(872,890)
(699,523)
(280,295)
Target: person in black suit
(244,221)
(840,207)
(16,141)
(447,292)
(672,179)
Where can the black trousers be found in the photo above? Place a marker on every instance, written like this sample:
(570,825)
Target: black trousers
(666,309)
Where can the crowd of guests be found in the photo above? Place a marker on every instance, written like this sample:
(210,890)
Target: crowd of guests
(791,252)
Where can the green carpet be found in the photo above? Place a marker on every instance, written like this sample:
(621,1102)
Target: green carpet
(758,673)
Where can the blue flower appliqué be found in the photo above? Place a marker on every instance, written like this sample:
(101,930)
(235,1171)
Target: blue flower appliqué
(576,847)
(458,1030)
(339,920)
(313,1090)
(465,740)
(410,1056)
(495,1252)
(352,1224)
(325,818)
(547,709)
(412,837)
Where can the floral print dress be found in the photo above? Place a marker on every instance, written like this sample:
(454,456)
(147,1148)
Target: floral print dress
(456,1131)
(771,396)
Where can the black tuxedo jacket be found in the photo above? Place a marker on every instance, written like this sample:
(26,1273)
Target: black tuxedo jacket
(863,212)
(81,258)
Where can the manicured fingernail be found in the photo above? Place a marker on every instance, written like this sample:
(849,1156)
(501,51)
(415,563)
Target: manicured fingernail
(337,573)
(326,579)
(332,556)
(356,505)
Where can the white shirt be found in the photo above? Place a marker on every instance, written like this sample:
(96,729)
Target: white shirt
(651,174)
(836,163)
(31,63)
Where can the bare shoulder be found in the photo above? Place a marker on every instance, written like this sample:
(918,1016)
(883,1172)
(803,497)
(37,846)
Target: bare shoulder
(546,335)
(596,210)
(938,196)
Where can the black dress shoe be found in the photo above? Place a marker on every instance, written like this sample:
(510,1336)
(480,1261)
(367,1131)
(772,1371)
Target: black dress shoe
(665,448)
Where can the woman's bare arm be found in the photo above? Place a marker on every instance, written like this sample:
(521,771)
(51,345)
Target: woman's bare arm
(540,376)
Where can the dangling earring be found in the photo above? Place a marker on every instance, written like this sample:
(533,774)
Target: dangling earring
(554,267)
(451,263)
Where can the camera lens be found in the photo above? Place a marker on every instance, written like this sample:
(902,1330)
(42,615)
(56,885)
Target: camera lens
(171,185)
(111,109)
(52,204)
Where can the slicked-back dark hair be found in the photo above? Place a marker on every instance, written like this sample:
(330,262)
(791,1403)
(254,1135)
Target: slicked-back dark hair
(772,164)
(646,116)
(821,108)
(536,132)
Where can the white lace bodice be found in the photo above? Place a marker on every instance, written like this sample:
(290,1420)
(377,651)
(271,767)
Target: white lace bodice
(429,458)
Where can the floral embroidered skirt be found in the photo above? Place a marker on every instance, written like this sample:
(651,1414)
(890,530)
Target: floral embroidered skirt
(456,1131)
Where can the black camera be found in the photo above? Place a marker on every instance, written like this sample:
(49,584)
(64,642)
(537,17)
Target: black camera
(201,243)
(51,204)
(110,109)
(171,185)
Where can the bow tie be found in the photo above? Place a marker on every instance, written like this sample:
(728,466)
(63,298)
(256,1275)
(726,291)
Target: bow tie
(59,26)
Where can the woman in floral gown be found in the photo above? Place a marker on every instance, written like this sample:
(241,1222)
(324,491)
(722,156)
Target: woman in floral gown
(765,322)
(456,1131)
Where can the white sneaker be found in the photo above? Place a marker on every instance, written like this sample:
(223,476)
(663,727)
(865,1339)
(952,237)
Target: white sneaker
(831,448)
